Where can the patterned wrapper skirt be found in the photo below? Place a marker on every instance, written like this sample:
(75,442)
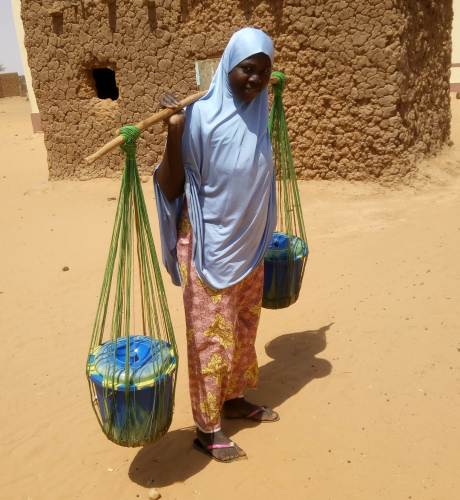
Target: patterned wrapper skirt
(221,333)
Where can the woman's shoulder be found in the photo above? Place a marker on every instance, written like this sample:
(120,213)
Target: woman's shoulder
(195,108)
(193,113)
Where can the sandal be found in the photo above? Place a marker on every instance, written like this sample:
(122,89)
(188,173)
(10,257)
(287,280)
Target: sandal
(207,449)
(253,415)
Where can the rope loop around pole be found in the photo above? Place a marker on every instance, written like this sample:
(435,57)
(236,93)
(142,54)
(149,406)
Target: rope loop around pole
(130,134)
(278,87)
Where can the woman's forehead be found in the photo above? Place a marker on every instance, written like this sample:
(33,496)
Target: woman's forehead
(259,58)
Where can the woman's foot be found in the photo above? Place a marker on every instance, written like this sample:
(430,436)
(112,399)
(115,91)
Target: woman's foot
(241,408)
(218,446)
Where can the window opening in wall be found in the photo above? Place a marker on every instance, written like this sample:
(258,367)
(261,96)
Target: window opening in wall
(105,83)
(204,71)
(57,19)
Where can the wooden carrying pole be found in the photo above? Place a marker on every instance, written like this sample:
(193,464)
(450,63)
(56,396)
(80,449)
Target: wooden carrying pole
(162,115)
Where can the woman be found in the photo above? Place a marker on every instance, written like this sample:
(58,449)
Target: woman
(215,192)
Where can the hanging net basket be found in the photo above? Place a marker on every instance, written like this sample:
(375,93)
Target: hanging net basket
(286,257)
(132,360)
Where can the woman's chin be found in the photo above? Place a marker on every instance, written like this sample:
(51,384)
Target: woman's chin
(248,96)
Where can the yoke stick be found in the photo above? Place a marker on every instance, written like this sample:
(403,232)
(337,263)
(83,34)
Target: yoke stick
(155,118)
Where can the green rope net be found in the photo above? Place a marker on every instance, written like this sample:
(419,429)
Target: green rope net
(132,360)
(286,257)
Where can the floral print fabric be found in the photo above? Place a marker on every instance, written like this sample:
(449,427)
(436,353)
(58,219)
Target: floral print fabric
(221,332)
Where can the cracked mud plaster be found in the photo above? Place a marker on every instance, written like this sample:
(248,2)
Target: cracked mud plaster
(367,96)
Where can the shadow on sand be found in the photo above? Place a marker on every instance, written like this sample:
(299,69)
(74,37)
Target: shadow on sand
(294,364)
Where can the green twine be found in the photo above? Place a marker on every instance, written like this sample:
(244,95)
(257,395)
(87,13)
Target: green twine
(278,87)
(290,217)
(283,287)
(132,301)
(130,134)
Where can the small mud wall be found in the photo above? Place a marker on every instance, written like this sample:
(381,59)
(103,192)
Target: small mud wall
(11,84)
(368,89)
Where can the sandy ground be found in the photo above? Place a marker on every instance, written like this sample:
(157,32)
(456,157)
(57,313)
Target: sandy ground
(364,369)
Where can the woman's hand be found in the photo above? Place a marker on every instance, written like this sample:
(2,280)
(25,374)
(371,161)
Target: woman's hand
(177,120)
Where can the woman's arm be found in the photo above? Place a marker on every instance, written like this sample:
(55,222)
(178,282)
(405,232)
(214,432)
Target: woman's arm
(170,174)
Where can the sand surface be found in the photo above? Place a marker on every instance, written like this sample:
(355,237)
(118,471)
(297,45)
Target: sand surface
(364,369)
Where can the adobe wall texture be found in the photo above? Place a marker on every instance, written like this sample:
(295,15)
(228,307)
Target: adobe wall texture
(10,85)
(368,89)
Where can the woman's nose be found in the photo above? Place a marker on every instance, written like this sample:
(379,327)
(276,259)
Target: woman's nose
(254,79)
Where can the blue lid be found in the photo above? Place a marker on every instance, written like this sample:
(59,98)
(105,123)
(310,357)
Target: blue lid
(149,360)
(282,247)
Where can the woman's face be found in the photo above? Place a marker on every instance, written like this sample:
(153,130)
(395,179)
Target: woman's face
(250,77)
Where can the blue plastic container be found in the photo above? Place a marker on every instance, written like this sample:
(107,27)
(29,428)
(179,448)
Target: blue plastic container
(139,410)
(283,270)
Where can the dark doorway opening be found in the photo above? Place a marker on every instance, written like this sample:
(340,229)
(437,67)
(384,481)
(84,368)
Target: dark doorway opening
(106,85)
(57,19)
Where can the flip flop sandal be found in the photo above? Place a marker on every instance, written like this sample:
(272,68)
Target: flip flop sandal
(251,415)
(197,444)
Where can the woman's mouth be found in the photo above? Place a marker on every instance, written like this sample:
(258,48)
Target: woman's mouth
(251,90)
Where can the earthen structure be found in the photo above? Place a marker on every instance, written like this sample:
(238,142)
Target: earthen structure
(12,84)
(368,89)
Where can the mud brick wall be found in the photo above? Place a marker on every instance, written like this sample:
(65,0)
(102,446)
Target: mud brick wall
(368,90)
(9,85)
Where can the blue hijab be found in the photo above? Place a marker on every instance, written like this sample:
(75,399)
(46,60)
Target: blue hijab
(229,176)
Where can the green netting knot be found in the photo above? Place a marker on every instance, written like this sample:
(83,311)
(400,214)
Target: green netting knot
(279,86)
(130,134)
